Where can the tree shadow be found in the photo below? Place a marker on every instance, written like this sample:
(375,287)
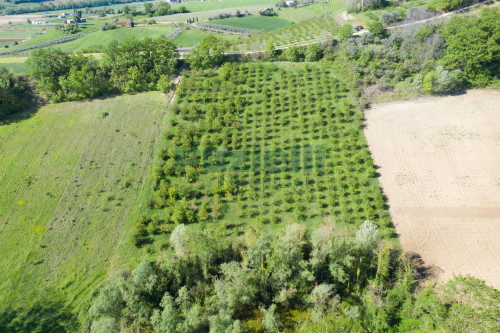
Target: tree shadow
(19,116)
(41,317)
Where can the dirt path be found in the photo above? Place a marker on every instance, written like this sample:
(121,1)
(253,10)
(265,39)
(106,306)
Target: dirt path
(439,160)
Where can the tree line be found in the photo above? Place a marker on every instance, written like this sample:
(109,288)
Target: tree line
(294,280)
(61,5)
(132,66)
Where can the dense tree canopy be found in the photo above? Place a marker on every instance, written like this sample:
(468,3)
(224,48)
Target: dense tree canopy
(15,93)
(208,53)
(134,65)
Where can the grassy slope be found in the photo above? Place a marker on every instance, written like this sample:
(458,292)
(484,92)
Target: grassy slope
(102,38)
(188,37)
(256,23)
(70,180)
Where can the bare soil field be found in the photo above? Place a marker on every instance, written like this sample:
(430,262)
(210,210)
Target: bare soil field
(439,165)
(22,18)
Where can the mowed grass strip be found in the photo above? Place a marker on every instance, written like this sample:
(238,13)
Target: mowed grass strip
(71,177)
(254,23)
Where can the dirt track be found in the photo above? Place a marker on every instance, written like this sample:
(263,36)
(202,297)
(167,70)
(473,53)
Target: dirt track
(439,162)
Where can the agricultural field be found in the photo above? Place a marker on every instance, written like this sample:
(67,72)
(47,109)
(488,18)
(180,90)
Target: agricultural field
(254,23)
(311,30)
(440,168)
(72,177)
(263,145)
(15,64)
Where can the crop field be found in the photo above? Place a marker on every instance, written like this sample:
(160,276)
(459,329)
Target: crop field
(440,169)
(316,29)
(260,146)
(15,64)
(254,23)
(72,176)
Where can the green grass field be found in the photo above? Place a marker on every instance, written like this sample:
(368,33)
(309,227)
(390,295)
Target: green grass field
(332,7)
(189,37)
(259,146)
(254,22)
(103,38)
(72,178)
(15,64)
(198,6)
(296,14)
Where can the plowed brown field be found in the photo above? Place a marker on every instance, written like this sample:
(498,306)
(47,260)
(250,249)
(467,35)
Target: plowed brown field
(439,165)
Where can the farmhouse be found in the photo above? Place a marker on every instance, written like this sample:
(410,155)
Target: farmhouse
(290,3)
(173,1)
(70,21)
(124,23)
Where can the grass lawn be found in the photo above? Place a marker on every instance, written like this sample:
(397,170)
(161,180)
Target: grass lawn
(254,22)
(72,178)
(103,38)
(188,38)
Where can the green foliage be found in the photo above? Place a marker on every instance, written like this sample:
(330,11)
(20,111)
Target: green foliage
(138,65)
(293,54)
(345,32)
(442,81)
(105,325)
(217,290)
(474,305)
(208,53)
(14,93)
(314,52)
(270,49)
(47,65)
(472,46)
(377,29)
(128,67)
(270,320)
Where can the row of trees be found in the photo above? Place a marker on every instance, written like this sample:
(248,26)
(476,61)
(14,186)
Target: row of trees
(151,10)
(337,280)
(132,66)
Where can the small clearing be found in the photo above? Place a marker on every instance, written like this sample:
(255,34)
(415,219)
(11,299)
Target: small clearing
(439,165)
